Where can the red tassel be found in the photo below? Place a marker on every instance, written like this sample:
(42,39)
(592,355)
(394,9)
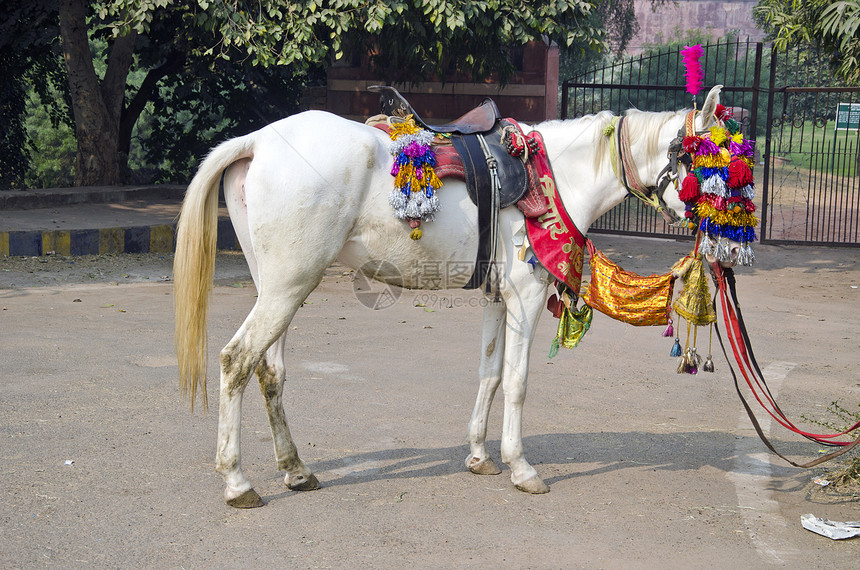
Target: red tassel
(739,174)
(691,144)
(689,188)
(723,113)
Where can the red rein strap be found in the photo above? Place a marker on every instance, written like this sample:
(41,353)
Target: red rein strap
(742,349)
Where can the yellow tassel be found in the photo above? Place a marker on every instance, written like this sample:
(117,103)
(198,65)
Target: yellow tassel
(731,218)
(431,178)
(407,127)
(713,160)
(416,234)
(708,161)
(406,173)
(718,135)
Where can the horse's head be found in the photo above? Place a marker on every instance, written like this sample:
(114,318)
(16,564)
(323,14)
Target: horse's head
(708,185)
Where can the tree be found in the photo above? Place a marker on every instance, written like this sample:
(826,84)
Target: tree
(29,60)
(831,25)
(408,39)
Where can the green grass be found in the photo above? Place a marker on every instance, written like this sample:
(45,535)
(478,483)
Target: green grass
(815,150)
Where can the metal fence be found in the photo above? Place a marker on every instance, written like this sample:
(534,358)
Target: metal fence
(806,129)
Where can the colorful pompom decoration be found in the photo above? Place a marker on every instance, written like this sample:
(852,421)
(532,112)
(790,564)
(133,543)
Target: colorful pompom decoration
(413,196)
(722,113)
(718,194)
(732,126)
(740,174)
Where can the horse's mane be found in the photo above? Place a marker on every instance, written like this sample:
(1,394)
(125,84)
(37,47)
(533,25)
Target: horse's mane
(598,122)
(649,125)
(641,124)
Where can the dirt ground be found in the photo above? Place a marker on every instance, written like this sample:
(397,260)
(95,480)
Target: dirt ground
(105,466)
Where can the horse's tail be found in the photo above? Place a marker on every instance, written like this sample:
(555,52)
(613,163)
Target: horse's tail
(194,264)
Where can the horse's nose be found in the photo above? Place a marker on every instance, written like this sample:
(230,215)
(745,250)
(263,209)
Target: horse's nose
(734,250)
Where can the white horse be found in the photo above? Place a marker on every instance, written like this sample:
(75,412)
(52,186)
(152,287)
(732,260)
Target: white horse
(313,189)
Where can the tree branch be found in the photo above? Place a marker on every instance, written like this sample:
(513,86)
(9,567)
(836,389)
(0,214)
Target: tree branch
(131,113)
(116,75)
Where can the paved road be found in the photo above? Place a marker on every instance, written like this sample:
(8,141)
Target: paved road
(104,466)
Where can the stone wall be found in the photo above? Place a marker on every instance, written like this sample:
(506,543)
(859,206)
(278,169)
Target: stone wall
(710,16)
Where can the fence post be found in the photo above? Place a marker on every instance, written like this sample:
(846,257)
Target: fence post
(765,189)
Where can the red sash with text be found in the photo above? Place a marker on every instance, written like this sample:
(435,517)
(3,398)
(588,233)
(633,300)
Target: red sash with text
(556,241)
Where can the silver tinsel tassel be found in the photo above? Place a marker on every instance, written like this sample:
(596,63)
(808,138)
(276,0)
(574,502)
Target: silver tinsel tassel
(706,246)
(715,185)
(397,199)
(746,256)
(723,252)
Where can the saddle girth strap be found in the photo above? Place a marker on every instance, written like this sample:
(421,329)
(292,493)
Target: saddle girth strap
(485,184)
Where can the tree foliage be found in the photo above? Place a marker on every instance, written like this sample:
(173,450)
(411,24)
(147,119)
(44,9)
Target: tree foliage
(166,69)
(831,25)
(29,58)
(408,39)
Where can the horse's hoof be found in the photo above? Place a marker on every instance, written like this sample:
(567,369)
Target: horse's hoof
(247,500)
(485,467)
(533,485)
(302,483)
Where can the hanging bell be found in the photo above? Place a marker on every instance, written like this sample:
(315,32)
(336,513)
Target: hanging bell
(676,348)
(708,366)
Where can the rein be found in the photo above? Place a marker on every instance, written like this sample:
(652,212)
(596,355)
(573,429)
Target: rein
(739,340)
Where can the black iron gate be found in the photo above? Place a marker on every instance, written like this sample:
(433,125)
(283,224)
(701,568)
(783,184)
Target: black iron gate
(806,129)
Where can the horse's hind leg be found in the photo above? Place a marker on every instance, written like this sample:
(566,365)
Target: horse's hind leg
(271,373)
(267,321)
(490,371)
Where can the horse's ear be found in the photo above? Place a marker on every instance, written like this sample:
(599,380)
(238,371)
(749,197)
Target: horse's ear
(709,107)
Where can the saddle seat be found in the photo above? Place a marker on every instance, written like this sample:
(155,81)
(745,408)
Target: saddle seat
(481,119)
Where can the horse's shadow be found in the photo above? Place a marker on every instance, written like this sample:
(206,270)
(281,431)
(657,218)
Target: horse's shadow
(599,452)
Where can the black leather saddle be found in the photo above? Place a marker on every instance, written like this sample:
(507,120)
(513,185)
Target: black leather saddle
(494,178)
(479,120)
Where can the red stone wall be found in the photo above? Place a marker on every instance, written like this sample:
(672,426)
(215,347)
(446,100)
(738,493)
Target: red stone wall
(530,96)
(671,19)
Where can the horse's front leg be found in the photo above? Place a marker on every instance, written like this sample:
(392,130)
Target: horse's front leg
(524,303)
(271,373)
(490,371)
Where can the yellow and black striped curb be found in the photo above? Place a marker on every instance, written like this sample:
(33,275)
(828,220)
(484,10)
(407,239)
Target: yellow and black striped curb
(137,239)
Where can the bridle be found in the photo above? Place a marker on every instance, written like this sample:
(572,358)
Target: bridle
(627,173)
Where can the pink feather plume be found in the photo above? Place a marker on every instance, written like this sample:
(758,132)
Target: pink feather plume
(691,56)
